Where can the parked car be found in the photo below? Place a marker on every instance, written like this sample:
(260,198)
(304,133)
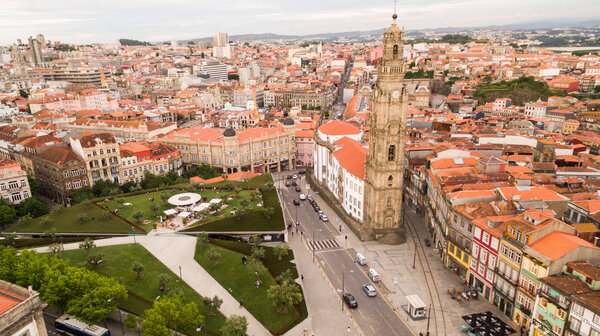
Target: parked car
(350,300)
(310,198)
(427,242)
(287,184)
(296,202)
(324,218)
(289,177)
(302,197)
(369,290)
(298,189)
(316,207)
(295,176)
(302,172)
(294,183)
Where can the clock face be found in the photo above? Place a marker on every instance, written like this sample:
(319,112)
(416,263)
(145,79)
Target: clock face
(395,94)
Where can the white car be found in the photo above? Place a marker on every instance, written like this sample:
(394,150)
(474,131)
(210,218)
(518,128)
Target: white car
(295,176)
(302,197)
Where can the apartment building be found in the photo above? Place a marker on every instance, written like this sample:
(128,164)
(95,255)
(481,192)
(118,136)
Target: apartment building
(157,158)
(101,155)
(21,311)
(59,171)
(14,186)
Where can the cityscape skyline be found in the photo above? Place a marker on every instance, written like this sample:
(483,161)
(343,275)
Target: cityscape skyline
(152,21)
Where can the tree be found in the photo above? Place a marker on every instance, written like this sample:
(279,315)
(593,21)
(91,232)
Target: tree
(95,257)
(106,216)
(214,256)
(202,239)
(81,194)
(171,313)
(87,245)
(134,323)
(270,185)
(57,209)
(56,249)
(23,94)
(138,215)
(268,212)
(245,202)
(163,281)
(255,241)
(153,207)
(87,204)
(82,218)
(7,215)
(281,251)
(32,206)
(25,220)
(164,196)
(10,238)
(235,325)
(258,268)
(284,295)
(213,304)
(34,186)
(103,188)
(258,253)
(138,268)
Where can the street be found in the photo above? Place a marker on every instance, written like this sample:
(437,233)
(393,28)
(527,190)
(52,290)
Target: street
(327,242)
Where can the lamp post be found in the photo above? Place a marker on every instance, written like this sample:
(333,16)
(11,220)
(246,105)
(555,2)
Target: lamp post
(133,233)
(180,276)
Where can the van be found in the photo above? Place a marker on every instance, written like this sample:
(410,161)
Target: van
(373,275)
(360,259)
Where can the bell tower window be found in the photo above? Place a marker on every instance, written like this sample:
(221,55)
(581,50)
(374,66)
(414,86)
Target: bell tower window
(395,49)
(390,180)
(392,153)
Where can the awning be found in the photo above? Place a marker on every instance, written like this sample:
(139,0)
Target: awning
(215,201)
(170,212)
(201,207)
(183,214)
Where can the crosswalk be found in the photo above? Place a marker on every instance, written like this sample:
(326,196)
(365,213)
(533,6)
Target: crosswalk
(323,244)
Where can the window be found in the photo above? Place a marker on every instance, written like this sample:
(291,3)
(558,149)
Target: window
(395,49)
(596,318)
(475,251)
(483,256)
(68,185)
(481,269)
(561,314)
(557,329)
(392,153)
(486,238)
(594,332)
(390,180)
(543,303)
(16,197)
(66,174)
(492,262)
(503,250)
(474,263)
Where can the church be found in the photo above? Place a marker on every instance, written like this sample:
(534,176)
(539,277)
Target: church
(366,177)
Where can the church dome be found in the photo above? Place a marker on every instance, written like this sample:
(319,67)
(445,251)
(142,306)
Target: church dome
(229,132)
(288,121)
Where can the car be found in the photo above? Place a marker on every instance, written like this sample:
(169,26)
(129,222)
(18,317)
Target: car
(320,212)
(297,189)
(427,242)
(324,218)
(302,172)
(296,202)
(302,197)
(287,184)
(310,198)
(350,300)
(289,177)
(295,177)
(294,183)
(369,290)
(317,209)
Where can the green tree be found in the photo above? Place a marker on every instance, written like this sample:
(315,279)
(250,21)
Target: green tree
(284,296)
(270,185)
(214,256)
(138,215)
(171,313)
(81,194)
(213,304)
(7,215)
(34,186)
(281,251)
(56,249)
(87,244)
(164,196)
(163,280)
(255,241)
(8,259)
(102,297)
(25,220)
(94,257)
(202,239)
(57,209)
(235,325)
(134,323)
(138,268)
(258,268)
(87,204)
(245,202)
(32,206)
(268,212)
(106,216)
(23,94)
(153,207)
(258,253)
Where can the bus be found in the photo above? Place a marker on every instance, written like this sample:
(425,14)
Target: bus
(68,325)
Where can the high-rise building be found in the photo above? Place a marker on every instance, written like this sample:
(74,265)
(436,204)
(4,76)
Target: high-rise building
(215,71)
(35,48)
(384,170)
(42,39)
(221,47)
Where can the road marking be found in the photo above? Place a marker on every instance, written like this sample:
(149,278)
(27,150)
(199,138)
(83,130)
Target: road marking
(386,321)
(325,244)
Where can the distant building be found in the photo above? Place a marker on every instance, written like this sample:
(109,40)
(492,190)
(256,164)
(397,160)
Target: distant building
(221,47)
(157,158)
(59,171)
(212,71)
(21,311)
(14,186)
(35,48)
(100,152)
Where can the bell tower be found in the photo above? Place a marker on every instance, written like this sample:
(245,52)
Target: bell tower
(384,169)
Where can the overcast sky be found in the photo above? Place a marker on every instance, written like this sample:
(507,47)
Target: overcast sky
(105,21)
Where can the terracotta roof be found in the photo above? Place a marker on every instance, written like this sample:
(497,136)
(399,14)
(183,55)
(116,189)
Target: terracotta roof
(530,193)
(88,141)
(585,267)
(59,155)
(592,206)
(557,244)
(337,127)
(8,300)
(352,157)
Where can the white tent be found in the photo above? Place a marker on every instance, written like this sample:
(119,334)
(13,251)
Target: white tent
(216,201)
(170,212)
(183,214)
(201,207)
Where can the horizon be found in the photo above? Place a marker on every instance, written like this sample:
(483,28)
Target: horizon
(154,21)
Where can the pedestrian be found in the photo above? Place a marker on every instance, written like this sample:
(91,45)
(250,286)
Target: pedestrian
(302,277)
(340,228)
(241,303)
(292,233)
(296,228)
(348,330)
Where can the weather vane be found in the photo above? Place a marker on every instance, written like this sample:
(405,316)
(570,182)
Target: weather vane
(395,3)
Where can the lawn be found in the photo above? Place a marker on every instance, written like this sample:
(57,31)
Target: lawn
(66,221)
(240,280)
(142,203)
(118,260)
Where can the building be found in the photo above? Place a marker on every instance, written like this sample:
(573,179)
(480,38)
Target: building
(221,46)
(21,311)
(35,48)
(211,70)
(14,186)
(584,315)
(484,258)
(101,155)
(384,171)
(59,171)
(257,149)
(305,147)
(157,158)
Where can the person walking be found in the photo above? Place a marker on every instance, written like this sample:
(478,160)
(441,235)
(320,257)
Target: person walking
(302,277)
(241,303)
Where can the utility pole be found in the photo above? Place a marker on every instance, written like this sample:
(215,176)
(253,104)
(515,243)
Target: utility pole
(415,256)
(313,239)
(342,290)
(428,318)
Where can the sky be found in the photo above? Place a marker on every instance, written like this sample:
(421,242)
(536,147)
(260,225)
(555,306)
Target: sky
(105,21)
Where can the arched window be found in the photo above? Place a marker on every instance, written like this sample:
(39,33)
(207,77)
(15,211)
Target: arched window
(389,202)
(395,49)
(390,180)
(392,153)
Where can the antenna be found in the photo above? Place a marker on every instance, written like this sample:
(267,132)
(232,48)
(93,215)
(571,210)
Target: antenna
(395,3)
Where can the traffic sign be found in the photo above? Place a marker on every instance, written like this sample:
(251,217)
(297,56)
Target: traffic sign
(374,259)
(395,280)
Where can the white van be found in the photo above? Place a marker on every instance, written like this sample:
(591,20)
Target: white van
(373,275)
(360,259)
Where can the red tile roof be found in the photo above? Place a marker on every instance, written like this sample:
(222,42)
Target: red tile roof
(352,157)
(556,244)
(337,127)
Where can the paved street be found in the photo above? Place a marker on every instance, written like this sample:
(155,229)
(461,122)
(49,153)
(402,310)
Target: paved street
(374,315)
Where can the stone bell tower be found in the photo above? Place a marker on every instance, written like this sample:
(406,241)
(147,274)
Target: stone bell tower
(384,169)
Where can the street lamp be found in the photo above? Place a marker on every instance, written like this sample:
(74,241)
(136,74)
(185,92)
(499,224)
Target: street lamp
(180,276)
(343,285)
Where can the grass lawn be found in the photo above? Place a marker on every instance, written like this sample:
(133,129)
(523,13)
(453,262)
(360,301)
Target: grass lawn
(66,221)
(118,260)
(142,203)
(240,280)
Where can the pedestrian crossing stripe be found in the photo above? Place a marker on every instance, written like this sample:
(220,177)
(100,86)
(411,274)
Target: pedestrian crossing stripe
(323,244)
